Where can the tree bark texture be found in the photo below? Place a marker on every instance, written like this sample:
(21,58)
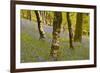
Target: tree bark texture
(40,28)
(78,28)
(70,30)
(56,35)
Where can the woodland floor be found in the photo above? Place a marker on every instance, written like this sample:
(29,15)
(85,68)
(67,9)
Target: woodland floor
(35,50)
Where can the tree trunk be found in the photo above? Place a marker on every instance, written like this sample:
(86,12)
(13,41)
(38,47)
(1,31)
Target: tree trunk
(22,13)
(41,31)
(78,29)
(70,30)
(43,16)
(56,35)
(29,14)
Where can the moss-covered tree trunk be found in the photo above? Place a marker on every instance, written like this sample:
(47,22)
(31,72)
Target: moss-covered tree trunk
(78,28)
(70,30)
(40,28)
(56,35)
(29,15)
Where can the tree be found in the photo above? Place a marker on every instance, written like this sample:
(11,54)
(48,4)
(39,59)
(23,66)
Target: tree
(70,30)
(56,35)
(29,14)
(22,13)
(41,31)
(78,28)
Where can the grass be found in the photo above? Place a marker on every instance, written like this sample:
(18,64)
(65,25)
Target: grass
(35,50)
(32,48)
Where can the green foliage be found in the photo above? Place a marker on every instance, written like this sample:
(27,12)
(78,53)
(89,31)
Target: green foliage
(86,22)
(64,22)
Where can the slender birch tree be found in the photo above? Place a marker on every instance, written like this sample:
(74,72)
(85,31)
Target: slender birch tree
(56,35)
(40,28)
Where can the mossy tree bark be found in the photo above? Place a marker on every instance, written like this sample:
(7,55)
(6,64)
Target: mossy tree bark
(70,30)
(29,15)
(40,28)
(56,35)
(78,28)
